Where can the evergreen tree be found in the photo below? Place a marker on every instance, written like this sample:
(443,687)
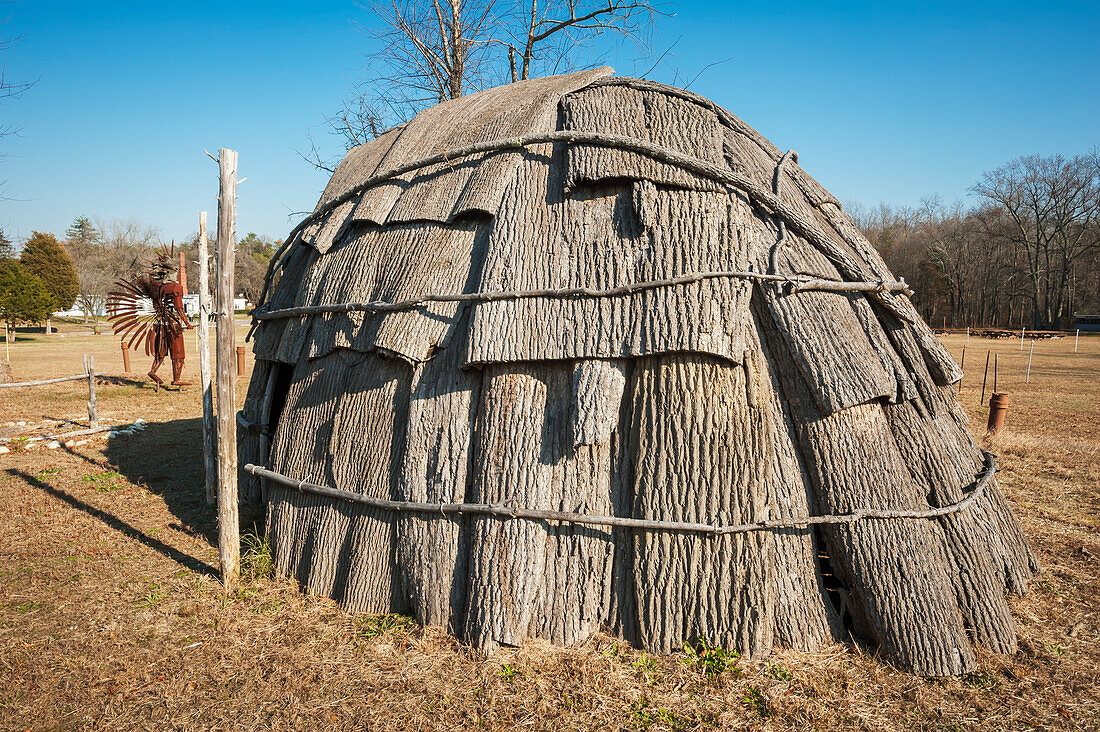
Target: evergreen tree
(82,231)
(7,251)
(24,297)
(45,258)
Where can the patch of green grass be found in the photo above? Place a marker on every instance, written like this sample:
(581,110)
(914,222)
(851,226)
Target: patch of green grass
(373,626)
(26,607)
(151,599)
(755,700)
(647,665)
(709,660)
(105,482)
(644,716)
(508,672)
(779,673)
(257,561)
(46,473)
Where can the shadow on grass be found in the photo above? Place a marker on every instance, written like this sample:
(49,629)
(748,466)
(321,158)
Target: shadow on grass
(166,457)
(186,560)
(106,380)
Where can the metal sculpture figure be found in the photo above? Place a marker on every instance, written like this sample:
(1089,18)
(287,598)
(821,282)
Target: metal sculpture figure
(148,308)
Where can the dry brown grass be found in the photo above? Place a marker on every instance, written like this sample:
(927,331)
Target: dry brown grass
(110,616)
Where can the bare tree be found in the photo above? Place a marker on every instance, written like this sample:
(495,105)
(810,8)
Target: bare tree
(105,253)
(1054,206)
(428,52)
(9,89)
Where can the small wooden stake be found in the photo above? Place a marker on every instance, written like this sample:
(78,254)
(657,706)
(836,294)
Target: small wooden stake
(89,368)
(985,377)
(1027,379)
(962,366)
(1076,339)
(1021,340)
(229,541)
(209,428)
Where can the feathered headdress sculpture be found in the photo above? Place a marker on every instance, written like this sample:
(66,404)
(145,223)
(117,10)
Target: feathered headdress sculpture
(136,309)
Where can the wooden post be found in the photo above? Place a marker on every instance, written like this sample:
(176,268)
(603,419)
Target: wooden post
(89,368)
(209,429)
(1076,339)
(1022,338)
(962,367)
(1027,379)
(995,373)
(229,547)
(125,358)
(985,378)
(968,335)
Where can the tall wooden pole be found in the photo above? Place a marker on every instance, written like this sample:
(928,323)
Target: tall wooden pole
(206,309)
(985,378)
(229,547)
(89,368)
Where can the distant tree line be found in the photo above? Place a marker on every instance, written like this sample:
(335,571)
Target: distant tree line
(50,274)
(39,281)
(1026,255)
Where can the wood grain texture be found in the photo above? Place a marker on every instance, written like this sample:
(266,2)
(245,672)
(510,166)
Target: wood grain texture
(536,578)
(605,237)
(432,550)
(353,409)
(805,619)
(229,544)
(652,116)
(701,453)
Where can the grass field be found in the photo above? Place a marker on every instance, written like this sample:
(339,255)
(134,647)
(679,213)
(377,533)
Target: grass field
(111,615)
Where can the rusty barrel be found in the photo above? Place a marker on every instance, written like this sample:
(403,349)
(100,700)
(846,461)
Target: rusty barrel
(125,359)
(998,406)
(240,360)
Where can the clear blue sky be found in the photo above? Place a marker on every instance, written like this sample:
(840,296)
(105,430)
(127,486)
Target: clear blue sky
(885,102)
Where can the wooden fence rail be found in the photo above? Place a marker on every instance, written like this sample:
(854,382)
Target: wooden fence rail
(88,375)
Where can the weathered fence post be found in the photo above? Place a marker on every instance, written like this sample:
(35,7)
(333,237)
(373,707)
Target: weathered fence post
(962,369)
(209,430)
(89,369)
(1027,379)
(985,378)
(229,547)
(1076,339)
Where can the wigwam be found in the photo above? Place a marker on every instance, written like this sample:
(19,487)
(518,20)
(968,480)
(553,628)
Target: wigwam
(588,353)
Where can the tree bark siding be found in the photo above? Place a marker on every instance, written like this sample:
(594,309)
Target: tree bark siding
(804,618)
(431,550)
(701,454)
(719,401)
(529,578)
(354,409)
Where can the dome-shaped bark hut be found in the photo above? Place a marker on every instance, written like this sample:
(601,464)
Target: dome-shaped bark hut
(586,353)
